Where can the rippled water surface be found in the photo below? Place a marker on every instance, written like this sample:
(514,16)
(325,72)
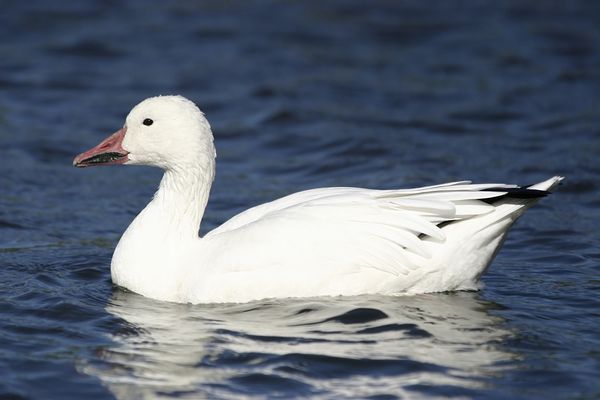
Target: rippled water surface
(301,95)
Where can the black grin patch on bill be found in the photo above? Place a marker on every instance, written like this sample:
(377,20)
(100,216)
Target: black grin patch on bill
(103,158)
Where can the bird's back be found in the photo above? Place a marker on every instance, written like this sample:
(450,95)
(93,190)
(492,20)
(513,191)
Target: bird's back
(349,241)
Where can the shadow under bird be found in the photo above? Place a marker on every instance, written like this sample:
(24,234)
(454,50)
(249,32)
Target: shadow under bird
(320,242)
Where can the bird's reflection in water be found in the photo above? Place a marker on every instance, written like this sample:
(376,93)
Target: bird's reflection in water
(359,346)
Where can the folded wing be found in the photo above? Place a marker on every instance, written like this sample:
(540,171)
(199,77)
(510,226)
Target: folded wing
(384,230)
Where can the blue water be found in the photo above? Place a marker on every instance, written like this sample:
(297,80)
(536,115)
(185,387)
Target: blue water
(301,95)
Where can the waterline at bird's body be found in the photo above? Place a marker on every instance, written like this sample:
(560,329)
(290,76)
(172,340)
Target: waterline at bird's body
(320,242)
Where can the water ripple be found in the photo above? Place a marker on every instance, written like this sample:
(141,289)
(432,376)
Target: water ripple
(300,95)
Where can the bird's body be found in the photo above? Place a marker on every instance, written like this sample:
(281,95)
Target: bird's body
(320,242)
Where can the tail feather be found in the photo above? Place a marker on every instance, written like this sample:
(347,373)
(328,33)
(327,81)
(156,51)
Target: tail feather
(480,238)
(525,192)
(548,184)
(516,201)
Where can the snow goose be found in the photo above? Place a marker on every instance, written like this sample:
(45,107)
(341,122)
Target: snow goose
(320,242)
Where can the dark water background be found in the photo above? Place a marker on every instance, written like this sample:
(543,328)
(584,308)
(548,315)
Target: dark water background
(301,95)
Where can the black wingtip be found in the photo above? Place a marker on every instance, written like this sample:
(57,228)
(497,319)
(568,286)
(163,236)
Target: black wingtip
(516,193)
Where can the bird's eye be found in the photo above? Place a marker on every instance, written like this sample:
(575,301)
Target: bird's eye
(148,122)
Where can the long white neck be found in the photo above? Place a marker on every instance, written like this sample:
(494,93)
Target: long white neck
(179,203)
(148,258)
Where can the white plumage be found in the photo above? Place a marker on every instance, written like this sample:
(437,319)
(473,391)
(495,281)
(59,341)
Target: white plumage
(320,242)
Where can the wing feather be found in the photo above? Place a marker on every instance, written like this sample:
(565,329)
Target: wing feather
(387,230)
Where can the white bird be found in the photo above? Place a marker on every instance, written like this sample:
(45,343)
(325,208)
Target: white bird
(320,242)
